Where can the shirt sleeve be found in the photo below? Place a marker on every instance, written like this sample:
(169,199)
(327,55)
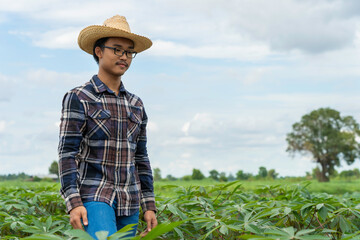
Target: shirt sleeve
(71,128)
(147,197)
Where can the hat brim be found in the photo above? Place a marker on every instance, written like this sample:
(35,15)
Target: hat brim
(89,35)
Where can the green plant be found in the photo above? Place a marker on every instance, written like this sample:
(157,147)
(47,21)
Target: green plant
(222,211)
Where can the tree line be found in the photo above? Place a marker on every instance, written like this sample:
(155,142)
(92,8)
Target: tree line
(263,174)
(216,175)
(53,169)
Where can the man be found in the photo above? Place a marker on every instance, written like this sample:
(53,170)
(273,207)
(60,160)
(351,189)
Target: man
(103,162)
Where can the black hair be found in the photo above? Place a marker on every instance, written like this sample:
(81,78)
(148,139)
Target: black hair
(99,43)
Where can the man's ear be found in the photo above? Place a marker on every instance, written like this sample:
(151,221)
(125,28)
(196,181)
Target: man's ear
(98,52)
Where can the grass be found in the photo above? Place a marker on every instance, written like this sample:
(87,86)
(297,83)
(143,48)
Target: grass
(335,186)
(11,184)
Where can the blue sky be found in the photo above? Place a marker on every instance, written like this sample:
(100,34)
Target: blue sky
(222,84)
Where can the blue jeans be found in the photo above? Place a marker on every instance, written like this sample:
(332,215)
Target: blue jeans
(102,217)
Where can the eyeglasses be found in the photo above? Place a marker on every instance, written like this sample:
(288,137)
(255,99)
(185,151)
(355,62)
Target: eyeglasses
(120,52)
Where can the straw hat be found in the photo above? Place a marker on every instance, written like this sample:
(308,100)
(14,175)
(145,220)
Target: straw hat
(115,26)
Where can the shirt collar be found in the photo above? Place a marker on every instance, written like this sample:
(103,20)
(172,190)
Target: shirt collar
(101,87)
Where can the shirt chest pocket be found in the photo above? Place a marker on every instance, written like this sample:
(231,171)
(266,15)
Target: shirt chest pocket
(99,124)
(133,126)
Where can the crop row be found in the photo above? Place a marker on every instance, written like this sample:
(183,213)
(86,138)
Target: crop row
(214,212)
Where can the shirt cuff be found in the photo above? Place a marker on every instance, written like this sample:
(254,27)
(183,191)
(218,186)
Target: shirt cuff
(148,202)
(73,202)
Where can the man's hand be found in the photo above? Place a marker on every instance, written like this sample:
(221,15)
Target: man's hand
(76,214)
(150,219)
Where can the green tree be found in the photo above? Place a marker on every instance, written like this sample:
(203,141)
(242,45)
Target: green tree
(272,174)
(214,174)
(222,177)
(356,172)
(36,179)
(334,173)
(157,174)
(169,177)
(316,173)
(327,137)
(54,168)
(197,174)
(187,178)
(347,174)
(231,177)
(240,175)
(262,172)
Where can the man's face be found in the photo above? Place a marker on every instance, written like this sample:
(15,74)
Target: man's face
(113,64)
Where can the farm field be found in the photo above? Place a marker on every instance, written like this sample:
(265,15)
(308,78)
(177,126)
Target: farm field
(333,187)
(204,209)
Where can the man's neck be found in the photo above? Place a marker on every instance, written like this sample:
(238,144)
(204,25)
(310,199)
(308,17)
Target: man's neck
(112,82)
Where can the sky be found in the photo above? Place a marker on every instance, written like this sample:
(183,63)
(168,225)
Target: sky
(222,84)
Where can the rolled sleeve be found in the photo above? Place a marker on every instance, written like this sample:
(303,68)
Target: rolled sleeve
(71,128)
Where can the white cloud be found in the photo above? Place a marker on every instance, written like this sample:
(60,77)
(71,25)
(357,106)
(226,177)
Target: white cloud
(152,126)
(23,6)
(64,38)
(186,141)
(66,12)
(305,25)
(53,78)
(236,51)
(57,124)
(213,133)
(209,29)
(193,141)
(308,26)
(254,75)
(2,126)
(180,167)
(185,128)
(304,102)
(186,155)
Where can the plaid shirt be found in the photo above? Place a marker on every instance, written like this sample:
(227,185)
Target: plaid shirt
(102,149)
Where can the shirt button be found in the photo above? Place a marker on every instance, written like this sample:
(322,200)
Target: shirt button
(99,115)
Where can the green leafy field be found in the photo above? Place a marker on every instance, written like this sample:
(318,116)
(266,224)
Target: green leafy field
(335,187)
(200,210)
